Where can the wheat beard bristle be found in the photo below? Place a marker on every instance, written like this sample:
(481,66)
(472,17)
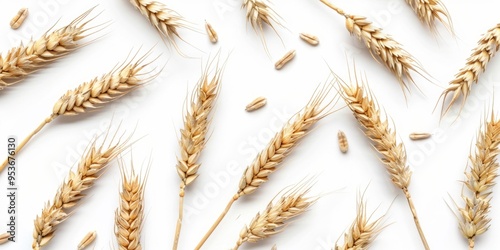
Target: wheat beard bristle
(259,12)
(480,179)
(431,11)
(275,217)
(279,147)
(164,19)
(193,135)
(95,160)
(475,66)
(21,61)
(130,214)
(363,230)
(365,109)
(94,94)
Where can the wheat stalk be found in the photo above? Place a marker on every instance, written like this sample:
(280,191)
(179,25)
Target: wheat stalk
(164,19)
(130,214)
(393,154)
(23,60)
(259,13)
(275,217)
(96,158)
(476,64)
(266,162)
(193,135)
(479,182)
(431,11)
(363,230)
(383,46)
(92,95)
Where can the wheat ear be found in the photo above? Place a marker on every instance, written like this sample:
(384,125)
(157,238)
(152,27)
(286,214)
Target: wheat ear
(130,214)
(93,94)
(164,19)
(431,11)
(23,60)
(480,179)
(260,12)
(363,230)
(476,64)
(393,154)
(275,217)
(193,135)
(383,46)
(279,147)
(96,158)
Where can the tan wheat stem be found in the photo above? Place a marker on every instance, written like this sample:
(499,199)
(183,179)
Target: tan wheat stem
(164,19)
(217,222)
(431,11)
(476,64)
(277,214)
(364,106)
(193,135)
(130,214)
(93,94)
(96,158)
(23,60)
(480,179)
(266,162)
(399,61)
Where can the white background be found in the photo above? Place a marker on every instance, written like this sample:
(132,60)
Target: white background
(156,113)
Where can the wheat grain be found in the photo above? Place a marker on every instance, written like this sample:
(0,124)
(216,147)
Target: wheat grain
(23,60)
(266,162)
(260,12)
(87,240)
(285,59)
(274,247)
(19,18)
(193,135)
(343,143)
(4,238)
(212,34)
(164,19)
(476,64)
(393,154)
(257,103)
(96,158)
(480,179)
(383,46)
(310,39)
(130,214)
(91,95)
(277,214)
(431,11)
(363,230)
(419,136)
